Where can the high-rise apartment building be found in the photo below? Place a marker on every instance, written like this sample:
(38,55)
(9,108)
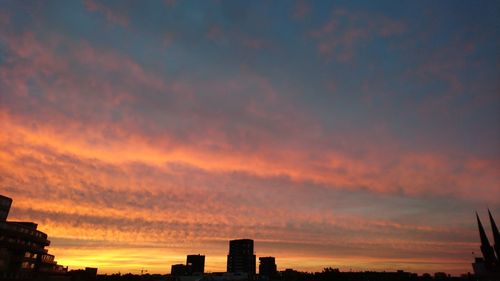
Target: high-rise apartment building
(195,264)
(241,257)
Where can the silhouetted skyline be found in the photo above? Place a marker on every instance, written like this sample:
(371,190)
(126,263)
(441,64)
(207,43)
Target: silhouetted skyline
(24,256)
(356,134)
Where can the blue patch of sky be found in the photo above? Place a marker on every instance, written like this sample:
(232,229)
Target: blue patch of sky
(290,59)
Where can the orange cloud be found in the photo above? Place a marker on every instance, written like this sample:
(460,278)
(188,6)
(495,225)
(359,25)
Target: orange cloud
(122,154)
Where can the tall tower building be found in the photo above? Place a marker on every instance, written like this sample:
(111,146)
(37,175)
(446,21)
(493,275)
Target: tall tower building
(489,256)
(241,257)
(195,264)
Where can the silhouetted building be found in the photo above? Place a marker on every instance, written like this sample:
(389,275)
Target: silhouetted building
(220,276)
(479,266)
(241,257)
(267,267)
(290,274)
(441,276)
(91,272)
(486,249)
(496,236)
(195,264)
(488,266)
(5,203)
(178,270)
(22,248)
(87,274)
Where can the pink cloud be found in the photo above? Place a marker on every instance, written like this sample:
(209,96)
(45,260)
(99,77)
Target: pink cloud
(170,3)
(4,18)
(112,15)
(301,10)
(218,35)
(252,42)
(167,39)
(136,155)
(215,33)
(338,38)
(271,137)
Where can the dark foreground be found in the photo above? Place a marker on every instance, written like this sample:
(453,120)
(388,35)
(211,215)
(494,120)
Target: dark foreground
(292,275)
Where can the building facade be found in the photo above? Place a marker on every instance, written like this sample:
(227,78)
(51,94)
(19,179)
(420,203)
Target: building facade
(241,257)
(22,248)
(195,264)
(267,267)
(178,270)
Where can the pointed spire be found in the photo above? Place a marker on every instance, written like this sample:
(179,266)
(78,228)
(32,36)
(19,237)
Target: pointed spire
(496,235)
(482,233)
(488,253)
(494,228)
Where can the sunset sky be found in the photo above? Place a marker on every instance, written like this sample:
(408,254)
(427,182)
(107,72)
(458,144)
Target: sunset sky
(361,135)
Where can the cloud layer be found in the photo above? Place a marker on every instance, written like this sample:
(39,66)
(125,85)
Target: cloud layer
(333,136)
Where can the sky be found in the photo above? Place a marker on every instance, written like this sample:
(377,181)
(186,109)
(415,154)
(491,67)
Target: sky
(359,135)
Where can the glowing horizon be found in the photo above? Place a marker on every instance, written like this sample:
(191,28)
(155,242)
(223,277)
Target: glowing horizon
(356,135)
